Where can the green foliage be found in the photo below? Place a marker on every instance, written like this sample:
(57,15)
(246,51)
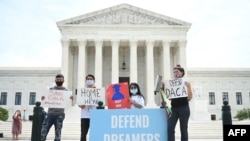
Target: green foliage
(4,114)
(243,114)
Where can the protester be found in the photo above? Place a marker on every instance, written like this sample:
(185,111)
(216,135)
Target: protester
(54,116)
(180,109)
(137,100)
(86,109)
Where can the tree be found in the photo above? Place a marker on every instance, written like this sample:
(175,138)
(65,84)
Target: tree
(4,114)
(243,114)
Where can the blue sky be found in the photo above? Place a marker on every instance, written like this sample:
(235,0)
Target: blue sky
(219,35)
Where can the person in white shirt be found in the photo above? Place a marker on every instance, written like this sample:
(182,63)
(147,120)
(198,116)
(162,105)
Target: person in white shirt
(137,100)
(86,109)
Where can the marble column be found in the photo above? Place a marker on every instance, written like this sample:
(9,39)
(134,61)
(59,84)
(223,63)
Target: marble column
(73,111)
(81,63)
(133,61)
(65,60)
(98,63)
(175,56)
(150,73)
(182,54)
(115,61)
(166,60)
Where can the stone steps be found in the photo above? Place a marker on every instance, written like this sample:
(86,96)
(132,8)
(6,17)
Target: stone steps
(71,130)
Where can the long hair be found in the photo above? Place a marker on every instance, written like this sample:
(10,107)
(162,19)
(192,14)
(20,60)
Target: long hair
(138,87)
(20,114)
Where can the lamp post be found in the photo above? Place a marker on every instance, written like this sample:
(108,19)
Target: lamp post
(24,114)
(123,63)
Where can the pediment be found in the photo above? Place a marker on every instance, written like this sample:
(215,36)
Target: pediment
(123,14)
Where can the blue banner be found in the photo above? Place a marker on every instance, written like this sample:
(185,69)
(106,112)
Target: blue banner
(128,125)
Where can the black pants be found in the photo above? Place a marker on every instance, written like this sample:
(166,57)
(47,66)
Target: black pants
(182,114)
(84,128)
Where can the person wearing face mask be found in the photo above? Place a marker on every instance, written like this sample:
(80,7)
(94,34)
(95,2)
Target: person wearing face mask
(137,100)
(54,116)
(180,109)
(86,109)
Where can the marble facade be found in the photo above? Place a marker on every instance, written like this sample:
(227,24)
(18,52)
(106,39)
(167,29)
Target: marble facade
(149,44)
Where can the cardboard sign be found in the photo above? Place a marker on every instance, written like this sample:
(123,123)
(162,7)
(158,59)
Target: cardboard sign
(128,125)
(158,83)
(91,96)
(176,88)
(118,96)
(57,99)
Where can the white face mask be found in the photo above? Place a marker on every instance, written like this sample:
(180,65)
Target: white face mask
(90,82)
(134,91)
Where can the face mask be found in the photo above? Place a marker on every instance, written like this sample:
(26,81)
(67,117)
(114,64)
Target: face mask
(59,83)
(89,82)
(134,91)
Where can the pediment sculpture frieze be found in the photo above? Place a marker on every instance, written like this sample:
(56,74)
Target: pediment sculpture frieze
(124,16)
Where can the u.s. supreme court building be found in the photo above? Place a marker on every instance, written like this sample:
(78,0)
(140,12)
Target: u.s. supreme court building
(125,43)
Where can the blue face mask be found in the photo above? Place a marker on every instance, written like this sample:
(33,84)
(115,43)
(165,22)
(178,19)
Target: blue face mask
(90,82)
(134,91)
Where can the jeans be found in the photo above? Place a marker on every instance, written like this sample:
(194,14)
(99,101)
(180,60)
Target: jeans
(181,113)
(84,128)
(49,120)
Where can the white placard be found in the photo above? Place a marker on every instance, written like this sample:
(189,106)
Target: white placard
(176,88)
(91,96)
(57,99)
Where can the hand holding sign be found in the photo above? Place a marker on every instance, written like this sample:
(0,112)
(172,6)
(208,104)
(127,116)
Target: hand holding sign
(91,96)
(118,96)
(176,88)
(57,99)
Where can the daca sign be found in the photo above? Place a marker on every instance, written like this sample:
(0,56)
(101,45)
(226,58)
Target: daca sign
(176,88)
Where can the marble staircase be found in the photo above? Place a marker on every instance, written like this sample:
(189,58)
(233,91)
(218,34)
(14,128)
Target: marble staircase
(71,130)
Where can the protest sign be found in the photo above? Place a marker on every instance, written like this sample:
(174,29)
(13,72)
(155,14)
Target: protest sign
(176,88)
(57,99)
(118,96)
(128,125)
(91,96)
